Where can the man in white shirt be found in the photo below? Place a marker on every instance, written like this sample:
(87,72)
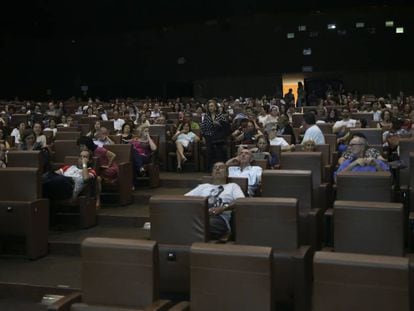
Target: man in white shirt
(342,126)
(240,167)
(221,196)
(117,122)
(312,131)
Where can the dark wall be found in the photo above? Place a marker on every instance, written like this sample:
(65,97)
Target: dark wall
(239,55)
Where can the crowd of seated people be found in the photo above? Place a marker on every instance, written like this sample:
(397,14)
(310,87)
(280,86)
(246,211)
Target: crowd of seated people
(220,124)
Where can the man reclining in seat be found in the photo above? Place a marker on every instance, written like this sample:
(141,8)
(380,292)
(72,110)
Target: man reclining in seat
(221,196)
(240,167)
(68,181)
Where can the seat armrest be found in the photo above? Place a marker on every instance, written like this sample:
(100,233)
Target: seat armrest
(316,228)
(325,199)
(65,303)
(303,278)
(159,305)
(182,306)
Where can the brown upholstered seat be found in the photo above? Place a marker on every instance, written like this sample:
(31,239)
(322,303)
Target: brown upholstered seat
(230,277)
(63,148)
(177,222)
(373,135)
(310,161)
(364,186)
(67,135)
(344,282)
(124,184)
(296,184)
(274,222)
(22,211)
(119,274)
(374,228)
(26,158)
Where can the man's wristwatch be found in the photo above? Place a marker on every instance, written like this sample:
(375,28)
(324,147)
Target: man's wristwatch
(226,206)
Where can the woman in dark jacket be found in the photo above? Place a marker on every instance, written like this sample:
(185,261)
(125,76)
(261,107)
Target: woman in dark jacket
(215,129)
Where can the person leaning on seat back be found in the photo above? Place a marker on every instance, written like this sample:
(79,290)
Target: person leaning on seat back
(361,158)
(221,196)
(68,181)
(240,166)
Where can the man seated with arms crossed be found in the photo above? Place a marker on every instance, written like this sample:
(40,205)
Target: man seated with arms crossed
(68,181)
(221,196)
(240,167)
(359,159)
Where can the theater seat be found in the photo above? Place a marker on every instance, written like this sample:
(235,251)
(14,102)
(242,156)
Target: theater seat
(176,223)
(344,281)
(375,228)
(119,274)
(229,277)
(22,211)
(274,222)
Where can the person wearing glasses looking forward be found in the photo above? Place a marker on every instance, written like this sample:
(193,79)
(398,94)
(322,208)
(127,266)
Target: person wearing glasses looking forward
(360,158)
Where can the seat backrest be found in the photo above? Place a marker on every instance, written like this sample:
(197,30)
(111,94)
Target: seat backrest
(406,146)
(299,160)
(67,135)
(63,148)
(374,135)
(20,184)
(271,222)
(109,125)
(231,277)
(326,128)
(411,170)
(344,281)
(17,158)
(160,131)
(18,118)
(177,219)
(68,129)
(364,186)
(289,184)
(369,116)
(297,119)
(123,152)
(324,149)
(374,228)
(119,272)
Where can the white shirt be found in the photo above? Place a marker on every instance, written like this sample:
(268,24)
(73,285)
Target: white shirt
(231,192)
(16,134)
(278,141)
(118,124)
(314,133)
(349,123)
(252,173)
(186,139)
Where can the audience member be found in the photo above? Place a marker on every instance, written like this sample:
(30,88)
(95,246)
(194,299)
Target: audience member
(240,166)
(221,196)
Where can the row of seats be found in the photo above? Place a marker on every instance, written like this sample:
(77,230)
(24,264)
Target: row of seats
(122,274)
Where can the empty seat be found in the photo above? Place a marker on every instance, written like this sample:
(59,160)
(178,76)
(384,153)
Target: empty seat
(296,184)
(119,274)
(274,222)
(364,186)
(22,211)
(176,223)
(310,161)
(230,277)
(375,228)
(344,282)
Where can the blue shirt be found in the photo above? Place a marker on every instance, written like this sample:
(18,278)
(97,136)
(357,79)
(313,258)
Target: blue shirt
(365,168)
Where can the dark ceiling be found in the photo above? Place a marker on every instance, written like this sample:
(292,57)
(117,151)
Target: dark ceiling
(49,18)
